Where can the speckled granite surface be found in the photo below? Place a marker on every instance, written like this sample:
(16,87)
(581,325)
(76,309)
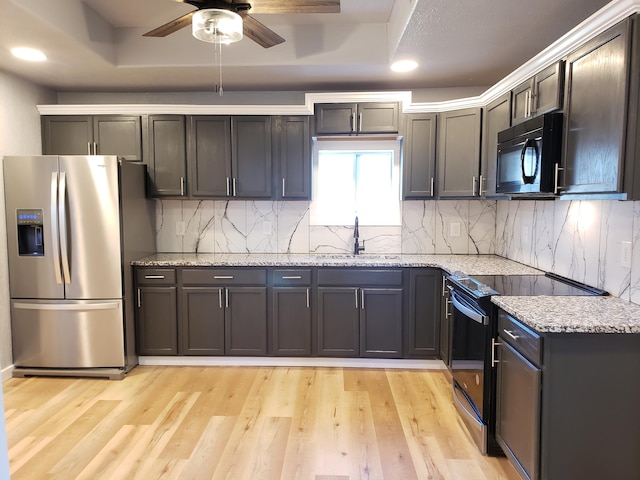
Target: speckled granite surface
(469,264)
(573,314)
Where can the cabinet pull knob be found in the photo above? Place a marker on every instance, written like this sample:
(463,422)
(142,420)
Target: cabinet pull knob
(292,277)
(223,277)
(154,277)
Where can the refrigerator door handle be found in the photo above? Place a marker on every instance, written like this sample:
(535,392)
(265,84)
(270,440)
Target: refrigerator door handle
(55,247)
(66,306)
(62,219)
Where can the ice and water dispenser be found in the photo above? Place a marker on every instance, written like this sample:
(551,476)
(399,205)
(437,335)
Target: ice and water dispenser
(30,238)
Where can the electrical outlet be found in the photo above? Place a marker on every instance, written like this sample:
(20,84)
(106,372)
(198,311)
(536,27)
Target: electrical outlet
(180,229)
(454,229)
(625,254)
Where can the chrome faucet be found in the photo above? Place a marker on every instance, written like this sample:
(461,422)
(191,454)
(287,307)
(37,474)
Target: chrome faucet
(357,248)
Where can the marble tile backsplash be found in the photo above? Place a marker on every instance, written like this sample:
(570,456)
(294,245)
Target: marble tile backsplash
(428,227)
(581,240)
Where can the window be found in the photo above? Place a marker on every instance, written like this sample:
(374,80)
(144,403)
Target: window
(356,177)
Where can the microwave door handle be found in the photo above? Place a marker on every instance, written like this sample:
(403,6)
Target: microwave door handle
(529,143)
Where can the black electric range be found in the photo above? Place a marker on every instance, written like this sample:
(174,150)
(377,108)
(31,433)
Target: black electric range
(473,329)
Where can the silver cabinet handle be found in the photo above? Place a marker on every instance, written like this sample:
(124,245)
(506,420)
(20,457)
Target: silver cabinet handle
(556,187)
(473,186)
(220,297)
(355,291)
(228,187)
(181,186)
(95,148)
(353,123)
(88,148)
(360,122)
(234,186)
(494,344)
(482,179)
(292,277)
(527,104)
(362,298)
(226,298)
(431,192)
(283,194)
(139,299)
(55,245)
(511,334)
(308,304)
(223,277)
(444,286)
(157,277)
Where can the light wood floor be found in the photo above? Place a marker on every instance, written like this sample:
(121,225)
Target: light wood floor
(242,423)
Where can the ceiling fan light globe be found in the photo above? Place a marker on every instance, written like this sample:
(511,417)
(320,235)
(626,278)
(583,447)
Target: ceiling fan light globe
(215,25)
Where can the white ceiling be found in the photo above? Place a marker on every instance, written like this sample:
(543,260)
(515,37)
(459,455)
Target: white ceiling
(97,45)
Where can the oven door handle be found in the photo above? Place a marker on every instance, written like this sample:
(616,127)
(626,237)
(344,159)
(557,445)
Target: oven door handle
(468,311)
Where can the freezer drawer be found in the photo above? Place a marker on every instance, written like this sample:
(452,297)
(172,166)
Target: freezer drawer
(65,334)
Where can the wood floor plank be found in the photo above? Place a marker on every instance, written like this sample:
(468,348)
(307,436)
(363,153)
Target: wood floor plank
(241,423)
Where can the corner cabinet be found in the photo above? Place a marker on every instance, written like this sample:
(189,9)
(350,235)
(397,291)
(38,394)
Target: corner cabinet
(119,135)
(355,118)
(459,153)
(495,117)
(601,108)
(419,162)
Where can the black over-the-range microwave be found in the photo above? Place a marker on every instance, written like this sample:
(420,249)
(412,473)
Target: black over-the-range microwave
(529,156)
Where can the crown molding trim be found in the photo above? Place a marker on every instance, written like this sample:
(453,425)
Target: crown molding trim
(606,17)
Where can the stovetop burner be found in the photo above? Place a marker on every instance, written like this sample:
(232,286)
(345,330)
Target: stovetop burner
(480,286)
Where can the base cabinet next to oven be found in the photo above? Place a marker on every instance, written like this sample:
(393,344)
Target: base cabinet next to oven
(567,403)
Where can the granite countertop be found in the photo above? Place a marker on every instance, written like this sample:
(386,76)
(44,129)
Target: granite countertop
(573,314)
(469,264)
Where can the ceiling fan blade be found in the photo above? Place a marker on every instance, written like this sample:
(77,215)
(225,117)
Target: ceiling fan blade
(170,27)
(258,32)
(295,6)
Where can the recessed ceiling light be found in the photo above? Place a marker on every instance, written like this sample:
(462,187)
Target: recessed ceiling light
(29,54)
(404,66)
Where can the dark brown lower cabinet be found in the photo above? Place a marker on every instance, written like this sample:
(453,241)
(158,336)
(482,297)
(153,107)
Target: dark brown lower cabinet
(157,317)
(245,320)
(291,321)
(423,318)
(202,321)
(338,322)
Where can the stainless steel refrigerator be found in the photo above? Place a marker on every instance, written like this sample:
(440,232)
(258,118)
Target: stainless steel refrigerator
(74,224)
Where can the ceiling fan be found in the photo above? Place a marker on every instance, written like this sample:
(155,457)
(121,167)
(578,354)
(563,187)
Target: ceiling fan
(252,28)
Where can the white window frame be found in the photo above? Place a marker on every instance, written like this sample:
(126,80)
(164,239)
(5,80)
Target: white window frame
(320,217)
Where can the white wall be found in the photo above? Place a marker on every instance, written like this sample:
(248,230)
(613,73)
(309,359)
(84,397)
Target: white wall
(19,135)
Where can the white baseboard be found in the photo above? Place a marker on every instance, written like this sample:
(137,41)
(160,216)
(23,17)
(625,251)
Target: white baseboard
(390,363)
(7,373)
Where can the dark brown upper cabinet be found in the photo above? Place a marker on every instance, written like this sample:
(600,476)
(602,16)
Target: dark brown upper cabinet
(496,117)
(292,158)
(540,94)
(419,156)
(119,135)
(357,118)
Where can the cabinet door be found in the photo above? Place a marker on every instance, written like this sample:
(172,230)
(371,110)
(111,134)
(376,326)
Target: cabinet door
(291,321)
(335,118)
(419,155)
(67,135)
(547,89)
(157,325)
(378,117)
(246,321)
(293,153)
(119,135)
(518,409)
(496,117)
(424,313)
(459,153)
(209,156)
(595,113)
(338,322)
(521,102)
(251,156)
(202,321)
(166,161)
(381,322)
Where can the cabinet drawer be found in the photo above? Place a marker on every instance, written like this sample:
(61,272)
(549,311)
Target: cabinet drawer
(291,277)
(526,341)
(155,276)
(359,277)
(224,276)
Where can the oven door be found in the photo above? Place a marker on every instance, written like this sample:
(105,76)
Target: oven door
(468,357)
